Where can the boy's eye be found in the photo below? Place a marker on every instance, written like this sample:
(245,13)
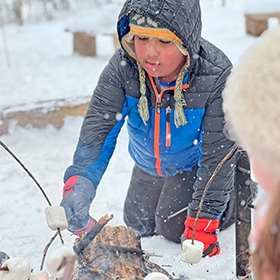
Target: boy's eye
(165,41)
(142,38)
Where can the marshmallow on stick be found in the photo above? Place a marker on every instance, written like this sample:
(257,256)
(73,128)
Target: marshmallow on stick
(192,251)
(56,217)
(39,275)
(156,276)
(16,269)
(56,263)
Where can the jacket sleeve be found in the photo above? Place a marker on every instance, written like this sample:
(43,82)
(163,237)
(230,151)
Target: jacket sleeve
(215,146)
(101,126)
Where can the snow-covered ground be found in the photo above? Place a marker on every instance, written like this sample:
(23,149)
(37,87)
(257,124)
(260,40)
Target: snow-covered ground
(37,64)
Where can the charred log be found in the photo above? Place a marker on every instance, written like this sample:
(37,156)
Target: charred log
(112,253)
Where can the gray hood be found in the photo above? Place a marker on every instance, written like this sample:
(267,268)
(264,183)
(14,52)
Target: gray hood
(182,17)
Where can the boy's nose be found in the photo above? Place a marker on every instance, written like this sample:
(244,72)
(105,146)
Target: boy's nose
(152,47)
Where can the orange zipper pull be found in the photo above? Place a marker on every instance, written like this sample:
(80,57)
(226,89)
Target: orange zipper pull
(158,104)
(168,131)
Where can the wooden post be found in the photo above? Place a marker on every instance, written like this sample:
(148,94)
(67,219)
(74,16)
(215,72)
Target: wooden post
(84,44)
(257,23)
(243,213)
(255,26)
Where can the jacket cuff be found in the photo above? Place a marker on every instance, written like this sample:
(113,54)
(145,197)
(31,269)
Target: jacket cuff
(79,184)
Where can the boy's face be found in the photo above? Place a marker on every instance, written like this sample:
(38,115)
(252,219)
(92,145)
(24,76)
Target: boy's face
(159,58)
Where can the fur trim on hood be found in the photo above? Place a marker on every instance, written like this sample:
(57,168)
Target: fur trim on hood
(252,99)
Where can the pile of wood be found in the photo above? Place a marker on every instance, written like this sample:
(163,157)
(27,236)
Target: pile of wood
(112,253)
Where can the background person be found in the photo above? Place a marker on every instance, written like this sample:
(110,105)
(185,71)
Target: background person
(252,102)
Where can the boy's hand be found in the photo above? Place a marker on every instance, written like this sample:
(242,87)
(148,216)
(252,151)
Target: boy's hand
(78,194)
(206,232)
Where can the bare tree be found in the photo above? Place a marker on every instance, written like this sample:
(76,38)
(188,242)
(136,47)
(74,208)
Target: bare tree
(21,10)
(4,39)
(17,9)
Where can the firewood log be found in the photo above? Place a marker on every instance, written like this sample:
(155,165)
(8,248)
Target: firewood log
(112,253)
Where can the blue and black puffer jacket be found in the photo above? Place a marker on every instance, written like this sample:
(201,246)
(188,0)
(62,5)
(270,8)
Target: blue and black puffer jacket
(200,142)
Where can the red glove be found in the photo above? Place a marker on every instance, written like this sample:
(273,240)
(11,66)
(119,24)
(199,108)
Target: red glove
(87,228)
(206,232)
(78,193)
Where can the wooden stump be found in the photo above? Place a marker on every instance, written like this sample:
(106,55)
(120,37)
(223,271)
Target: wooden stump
(112,253)
(256,24)
(84,44)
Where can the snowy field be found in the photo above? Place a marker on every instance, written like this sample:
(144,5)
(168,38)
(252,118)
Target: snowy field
(42,67)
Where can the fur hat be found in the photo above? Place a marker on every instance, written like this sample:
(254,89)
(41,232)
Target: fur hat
(252,99)
(144,26)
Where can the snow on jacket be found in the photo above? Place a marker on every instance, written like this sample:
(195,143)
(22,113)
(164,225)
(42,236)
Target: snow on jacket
(200,142)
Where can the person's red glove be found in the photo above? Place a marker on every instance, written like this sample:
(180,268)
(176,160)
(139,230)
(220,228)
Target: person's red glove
(78,193)
(206,232)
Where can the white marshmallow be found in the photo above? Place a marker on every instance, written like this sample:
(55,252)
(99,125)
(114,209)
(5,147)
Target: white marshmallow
(40,275)
(156,276)
(19,269)
(55,261)
(56,217)
(192,253)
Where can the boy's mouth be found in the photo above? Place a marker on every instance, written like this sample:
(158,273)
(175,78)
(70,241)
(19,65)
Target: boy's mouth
(152,65)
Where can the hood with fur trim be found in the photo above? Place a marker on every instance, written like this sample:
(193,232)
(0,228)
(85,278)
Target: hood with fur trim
(181,17)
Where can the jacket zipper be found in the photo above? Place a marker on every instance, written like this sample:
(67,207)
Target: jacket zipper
(168,131)
(158,103)
(157,134)
(157,125)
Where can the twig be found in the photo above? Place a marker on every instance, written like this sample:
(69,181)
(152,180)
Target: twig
(69,267)
(120,249)
(151,254)
(47,247)
(60,236)
(26,170)
(176,213)
(208,185)
(58,232)
(92,234)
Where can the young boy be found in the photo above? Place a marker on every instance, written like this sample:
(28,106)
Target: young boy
(167,80)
